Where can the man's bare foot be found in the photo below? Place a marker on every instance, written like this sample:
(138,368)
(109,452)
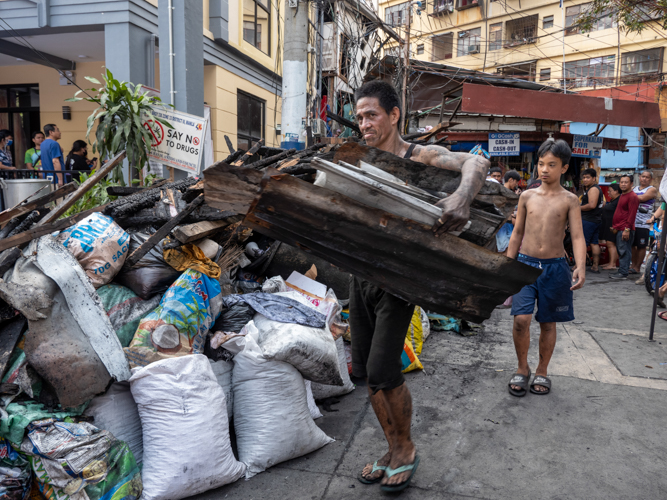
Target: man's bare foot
(368,474)
(525,372)
(400,457)
(540,388)
(608,268)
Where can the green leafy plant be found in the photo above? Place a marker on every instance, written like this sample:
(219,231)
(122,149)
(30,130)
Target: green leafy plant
(632,16)
(122,110)
(96,196)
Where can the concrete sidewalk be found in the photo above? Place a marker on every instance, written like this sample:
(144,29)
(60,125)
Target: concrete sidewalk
(597,435)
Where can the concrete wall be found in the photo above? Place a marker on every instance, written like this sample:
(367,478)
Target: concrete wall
(220,91)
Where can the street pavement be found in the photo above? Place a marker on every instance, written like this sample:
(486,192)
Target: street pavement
(598,435)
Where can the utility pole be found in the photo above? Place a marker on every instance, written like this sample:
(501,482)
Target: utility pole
(295,74)
(406,69)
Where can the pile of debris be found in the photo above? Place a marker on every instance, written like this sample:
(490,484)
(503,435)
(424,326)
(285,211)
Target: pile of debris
(225,295)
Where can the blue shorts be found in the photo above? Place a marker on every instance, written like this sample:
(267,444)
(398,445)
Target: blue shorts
(591,232)
(551,290)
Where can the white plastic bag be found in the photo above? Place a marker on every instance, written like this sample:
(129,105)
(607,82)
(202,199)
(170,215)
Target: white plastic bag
(323,391)
(116,411)
(186,431)
(223,373)
(271,415)
(312,405)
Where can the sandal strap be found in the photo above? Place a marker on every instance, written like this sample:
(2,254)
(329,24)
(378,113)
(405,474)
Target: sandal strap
(405,468)
(377,467)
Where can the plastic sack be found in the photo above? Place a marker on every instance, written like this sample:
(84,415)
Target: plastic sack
(315,412)
(419,329)
(271,415)
(312,351)
(151,275)
(223,374)
(233,320)
(503,236)
(322,391)
(409,359)
(99,245)
(186,431)
(116,411)
(125,310)
(274,285)
(15,473)
(179,324)
(80,462)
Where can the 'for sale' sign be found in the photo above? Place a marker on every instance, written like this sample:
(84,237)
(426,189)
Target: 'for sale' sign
(587,146)
(179,147)
(504,144)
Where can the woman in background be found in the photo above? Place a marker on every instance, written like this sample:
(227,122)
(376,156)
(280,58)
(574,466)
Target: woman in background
(606,233)
(77,158)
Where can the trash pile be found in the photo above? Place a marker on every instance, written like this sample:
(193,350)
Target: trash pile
(157,315)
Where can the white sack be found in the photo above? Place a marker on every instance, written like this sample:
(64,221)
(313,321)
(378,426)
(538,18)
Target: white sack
(271,415)
(186,431)
(223,374)
(323,391)
(116,411)
(312,405)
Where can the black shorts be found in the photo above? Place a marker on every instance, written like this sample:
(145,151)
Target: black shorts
(379,322)
(641,237)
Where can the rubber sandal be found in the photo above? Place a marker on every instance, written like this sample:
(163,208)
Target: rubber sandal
(521,381)
(393,488)
(544,382)
(376,468)
(662,315)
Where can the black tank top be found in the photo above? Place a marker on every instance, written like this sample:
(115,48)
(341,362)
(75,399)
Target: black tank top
(408,153)
(594,215)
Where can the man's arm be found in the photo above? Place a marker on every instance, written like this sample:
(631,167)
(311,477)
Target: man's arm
(519,228)
(473,168)
(593,195)
(58,167)
(649,195)
(578,244)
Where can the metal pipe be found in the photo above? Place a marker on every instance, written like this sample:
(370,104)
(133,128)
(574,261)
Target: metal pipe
(562,8)
(171,55)
(658,278)
(319,55)
(151,60)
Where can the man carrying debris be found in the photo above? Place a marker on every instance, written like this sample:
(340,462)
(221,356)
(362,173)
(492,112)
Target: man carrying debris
(379,320)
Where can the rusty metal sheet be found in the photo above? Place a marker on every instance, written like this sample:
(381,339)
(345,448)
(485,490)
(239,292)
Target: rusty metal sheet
(560,107)
(446,274)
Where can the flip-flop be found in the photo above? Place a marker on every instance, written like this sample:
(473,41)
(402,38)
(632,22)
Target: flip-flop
(376,468)
(662,315)
(544,382)
(597,271)
(392,472)
(521,381)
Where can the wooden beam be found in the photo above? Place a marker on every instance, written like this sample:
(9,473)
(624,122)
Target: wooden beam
(227,187)
(230,146)
(39,202)
(162,233)
(344,121)
(272,159)
(83,189)
(249,153)
(198,230)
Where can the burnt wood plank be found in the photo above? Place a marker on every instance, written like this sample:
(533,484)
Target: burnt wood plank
(249,153)
(10,333)
(227,187)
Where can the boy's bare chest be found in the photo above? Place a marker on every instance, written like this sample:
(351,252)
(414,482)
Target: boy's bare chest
(545,209)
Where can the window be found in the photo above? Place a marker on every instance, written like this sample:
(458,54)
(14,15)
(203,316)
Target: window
(603,21)
(496,36)
(19,113)
(250,120)
(469,42)
(394,51)
(545,74)
(443,6)
(638,65)
(420,49)
(443,46)
(590,72)
(547,22)
(396,15)
(521,30)
(256,24)
(464,4)
(521,71)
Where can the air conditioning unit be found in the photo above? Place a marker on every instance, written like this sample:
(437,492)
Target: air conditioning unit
(473,49)
(293,3)
(318,127)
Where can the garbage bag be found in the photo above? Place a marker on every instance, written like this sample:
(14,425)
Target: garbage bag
(234,319)
(116,411)
(271,415)
(151,275)
(279,307)
(223,374)
(80,462)
(15,473)
(99,244)
(409,359)
(125,310)
(503,236)
(323,391)
(190,256)
(179,324)
(187,449)
(419,329)
(315,412)
(21,414)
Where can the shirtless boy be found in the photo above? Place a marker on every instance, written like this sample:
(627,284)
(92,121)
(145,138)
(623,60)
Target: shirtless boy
(540,227)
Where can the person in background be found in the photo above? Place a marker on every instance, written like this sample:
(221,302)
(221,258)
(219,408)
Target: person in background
(5,160)
(495,175)
(511,180)
(52,154)
(647,195)
(624,225)
(606,233)
(33,155)
(76,158)
(592,202)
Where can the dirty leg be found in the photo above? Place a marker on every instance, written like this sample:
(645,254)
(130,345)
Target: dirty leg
(381,414)
(547,345)
(521,334)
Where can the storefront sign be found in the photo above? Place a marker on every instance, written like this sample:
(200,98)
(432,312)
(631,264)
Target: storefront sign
(587,146)
(504,144)
(180,147)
